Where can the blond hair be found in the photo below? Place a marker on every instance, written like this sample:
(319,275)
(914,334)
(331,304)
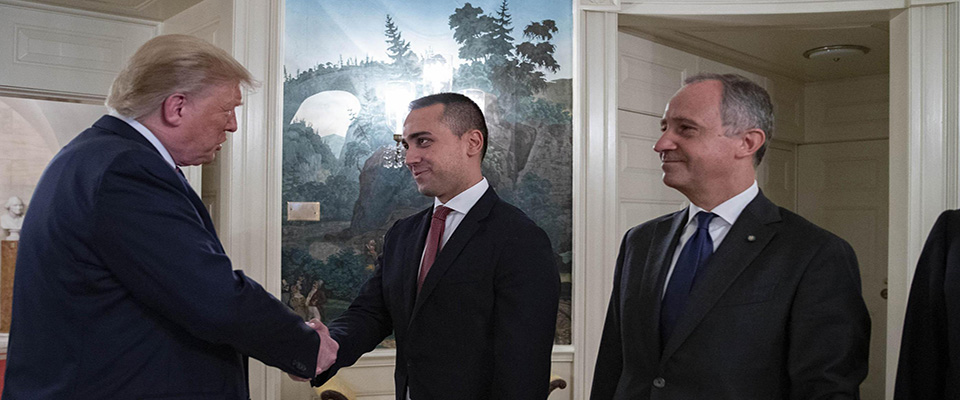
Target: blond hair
(171,64)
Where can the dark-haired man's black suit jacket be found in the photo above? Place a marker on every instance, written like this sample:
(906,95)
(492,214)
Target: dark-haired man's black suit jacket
(482,326)
(123,291)
(776,313)
(930,351)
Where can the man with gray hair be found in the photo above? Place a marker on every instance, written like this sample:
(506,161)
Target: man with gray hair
(731,297)
(123,289)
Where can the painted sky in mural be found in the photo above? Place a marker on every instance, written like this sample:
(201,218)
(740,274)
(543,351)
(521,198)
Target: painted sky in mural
(326,30)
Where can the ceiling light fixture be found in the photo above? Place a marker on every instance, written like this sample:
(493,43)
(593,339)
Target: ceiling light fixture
(836,52)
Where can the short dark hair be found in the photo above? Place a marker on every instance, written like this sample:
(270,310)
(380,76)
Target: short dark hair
(460,114)
(745,105)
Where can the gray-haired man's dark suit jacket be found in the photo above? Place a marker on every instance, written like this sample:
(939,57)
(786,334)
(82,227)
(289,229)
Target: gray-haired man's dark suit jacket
(776,313)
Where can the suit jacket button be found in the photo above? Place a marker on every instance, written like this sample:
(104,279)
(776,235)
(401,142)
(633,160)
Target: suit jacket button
(659,383)
(299,366)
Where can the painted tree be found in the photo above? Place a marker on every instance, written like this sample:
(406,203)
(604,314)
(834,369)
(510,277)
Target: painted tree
(541,52)
(500,42)
(399,50)
(533,57)
(471,29)
(513,70)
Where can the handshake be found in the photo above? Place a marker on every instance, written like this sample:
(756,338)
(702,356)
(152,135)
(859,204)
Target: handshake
(327,354)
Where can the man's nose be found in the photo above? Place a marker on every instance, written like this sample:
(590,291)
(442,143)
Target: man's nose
(664,143)
(411,157)
(232,123)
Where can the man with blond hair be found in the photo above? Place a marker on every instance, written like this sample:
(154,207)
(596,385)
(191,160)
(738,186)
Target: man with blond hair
(122,289)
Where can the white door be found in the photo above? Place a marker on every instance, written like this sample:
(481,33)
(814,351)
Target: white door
(843,187)
(649,75)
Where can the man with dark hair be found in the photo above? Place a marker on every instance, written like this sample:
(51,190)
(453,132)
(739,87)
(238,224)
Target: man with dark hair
(468,286)
(459,113)
(732,297)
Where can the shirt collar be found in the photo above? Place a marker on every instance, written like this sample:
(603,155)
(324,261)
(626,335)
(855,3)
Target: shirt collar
(147,135)
(463,202)
(731,209)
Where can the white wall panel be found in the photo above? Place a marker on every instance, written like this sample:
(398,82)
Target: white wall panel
(639,125)
(707,65)
(788,109)
(63,54)
(777,174)
(650,74)
(847,109)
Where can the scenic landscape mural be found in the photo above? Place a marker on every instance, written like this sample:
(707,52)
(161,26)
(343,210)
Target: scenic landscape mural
(350,68)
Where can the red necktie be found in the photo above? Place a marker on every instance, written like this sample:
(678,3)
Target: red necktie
(437,224)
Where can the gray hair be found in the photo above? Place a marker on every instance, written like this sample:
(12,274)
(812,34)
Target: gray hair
(745,105)
(171,64)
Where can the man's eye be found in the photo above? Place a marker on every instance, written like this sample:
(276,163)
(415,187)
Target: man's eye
(422,142)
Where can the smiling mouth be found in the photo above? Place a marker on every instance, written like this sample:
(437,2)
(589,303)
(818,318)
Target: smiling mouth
(668,158)
(418,172)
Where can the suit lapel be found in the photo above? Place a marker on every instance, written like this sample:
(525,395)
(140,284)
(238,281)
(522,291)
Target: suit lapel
(471,224)
(646,289)
(411,261)
(198,205)
(124,130)
(734,255)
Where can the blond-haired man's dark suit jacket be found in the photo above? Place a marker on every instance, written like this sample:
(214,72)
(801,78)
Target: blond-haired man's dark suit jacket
(123,290)
(776,313)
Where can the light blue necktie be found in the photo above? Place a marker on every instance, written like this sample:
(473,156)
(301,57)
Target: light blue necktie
(694,255)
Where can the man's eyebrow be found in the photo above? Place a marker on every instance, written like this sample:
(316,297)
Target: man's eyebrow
(681,120)
(415,135)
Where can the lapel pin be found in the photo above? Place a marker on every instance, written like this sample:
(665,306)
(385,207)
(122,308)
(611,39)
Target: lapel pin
(751,238)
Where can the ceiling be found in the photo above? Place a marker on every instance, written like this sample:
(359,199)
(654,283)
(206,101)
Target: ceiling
(775,43)
(154,10)
(766,43)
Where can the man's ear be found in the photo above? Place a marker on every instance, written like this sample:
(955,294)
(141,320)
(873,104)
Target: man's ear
(171,111)
(474,140)
(750,142)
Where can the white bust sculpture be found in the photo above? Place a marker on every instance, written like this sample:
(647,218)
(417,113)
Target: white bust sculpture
(12,220)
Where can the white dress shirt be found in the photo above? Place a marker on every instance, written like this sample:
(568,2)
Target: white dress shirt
(147,135)
(460,206)
(727,214)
